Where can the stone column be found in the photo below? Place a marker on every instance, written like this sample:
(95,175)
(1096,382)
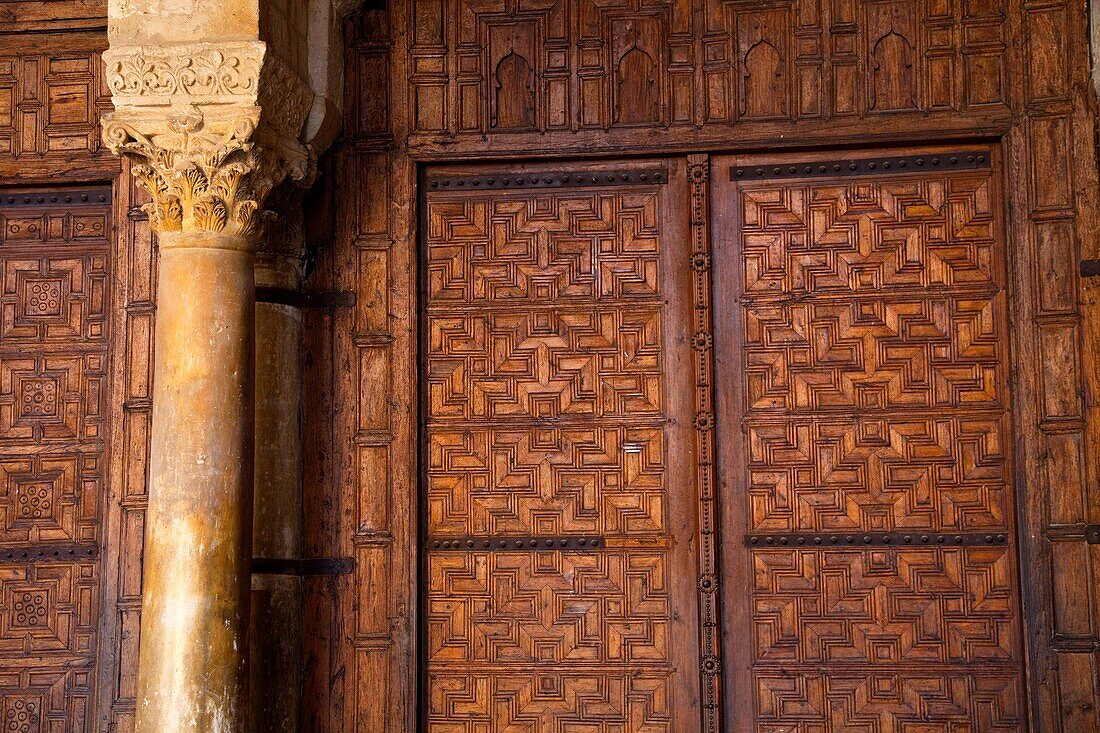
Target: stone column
(208,150)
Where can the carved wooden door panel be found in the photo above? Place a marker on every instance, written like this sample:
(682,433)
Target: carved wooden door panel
(559,568)
(865,444)
(55,257)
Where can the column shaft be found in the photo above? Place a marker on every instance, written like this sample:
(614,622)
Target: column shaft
(194,624)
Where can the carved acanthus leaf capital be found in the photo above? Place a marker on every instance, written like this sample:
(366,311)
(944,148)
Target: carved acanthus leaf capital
(207,140)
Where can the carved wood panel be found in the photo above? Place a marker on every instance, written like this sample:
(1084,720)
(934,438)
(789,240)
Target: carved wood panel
(1018,71)
(51,99)
(863,384)
(588,66)
(557,405)
(55,266)
(77,310)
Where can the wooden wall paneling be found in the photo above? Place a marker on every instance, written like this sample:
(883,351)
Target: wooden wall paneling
(361,669)
(55,330)
(134,311)
(52,94)
(34,16)
(975,74)
(1053,161)
(690,68)
(863,382)
(559,410)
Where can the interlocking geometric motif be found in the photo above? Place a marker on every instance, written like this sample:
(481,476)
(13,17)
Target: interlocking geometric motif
(878,297)
(49,498)
(51,101)
(584,246)
(54,303)
(878,473)
(546,363)
(53,299)
(52,397)
(886,702)
(873,353)
(875,398)
(547,416)
(883,606)
(40,699)
(548,608)
(865,236)
(605,480)
(550,702)
(47,608)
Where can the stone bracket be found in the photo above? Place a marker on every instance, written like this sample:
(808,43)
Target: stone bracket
(303,566)
(305,299)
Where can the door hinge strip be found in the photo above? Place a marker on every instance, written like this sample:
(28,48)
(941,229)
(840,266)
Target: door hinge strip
(305,298)
(962,160)
(303,566)
(1092,534)
(50,552)
(515,543)
(875,539)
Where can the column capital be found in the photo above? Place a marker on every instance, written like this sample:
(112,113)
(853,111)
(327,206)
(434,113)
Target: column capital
(211,130)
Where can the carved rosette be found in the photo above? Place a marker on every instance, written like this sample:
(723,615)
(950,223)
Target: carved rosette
(207,139)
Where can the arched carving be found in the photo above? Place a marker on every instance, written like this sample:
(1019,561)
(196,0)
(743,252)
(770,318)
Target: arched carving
(515,94)
(638,99)
(765,90)
(892,86)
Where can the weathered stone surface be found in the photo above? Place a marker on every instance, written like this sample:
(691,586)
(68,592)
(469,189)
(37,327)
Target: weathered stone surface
(193,660)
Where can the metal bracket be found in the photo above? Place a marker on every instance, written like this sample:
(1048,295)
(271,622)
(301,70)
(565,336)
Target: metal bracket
(303,566)
(48,552)
(305,299)
(1090,268)
(1092,534)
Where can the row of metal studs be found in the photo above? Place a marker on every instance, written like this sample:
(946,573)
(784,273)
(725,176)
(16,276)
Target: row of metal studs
(547,179)
(49,553)
(863,166)
(879,539)
(516,543)
(68,198)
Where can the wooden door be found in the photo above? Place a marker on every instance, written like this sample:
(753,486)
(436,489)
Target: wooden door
(865,443)
(55,269)
(559,558)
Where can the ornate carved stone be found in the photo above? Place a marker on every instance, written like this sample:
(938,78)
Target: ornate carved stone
(211,131)
(138,75)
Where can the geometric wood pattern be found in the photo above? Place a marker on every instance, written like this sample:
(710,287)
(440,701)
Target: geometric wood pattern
(426,85)
(871,332)
(548,406)
(54,299)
